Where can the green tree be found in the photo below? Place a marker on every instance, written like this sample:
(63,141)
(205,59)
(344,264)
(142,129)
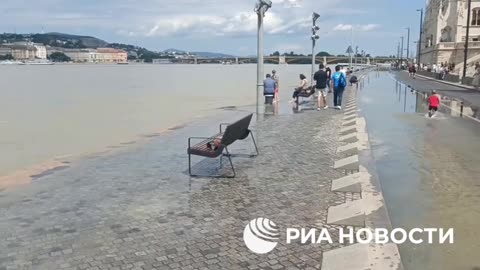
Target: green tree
(321,54)
(276,53)
(59,57)
(6,57)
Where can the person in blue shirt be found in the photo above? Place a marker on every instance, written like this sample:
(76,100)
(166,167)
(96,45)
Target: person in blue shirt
(339,82)
(269,86)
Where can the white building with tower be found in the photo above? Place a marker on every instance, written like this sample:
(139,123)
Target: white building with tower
(444,33)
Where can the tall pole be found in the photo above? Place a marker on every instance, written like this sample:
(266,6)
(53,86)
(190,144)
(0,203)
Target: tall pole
(260,13)
(466,39)
(398,54)
(356,52)
(420,39)
(315,28)
(401,52)
(351,46)
(313,60)
(408,43)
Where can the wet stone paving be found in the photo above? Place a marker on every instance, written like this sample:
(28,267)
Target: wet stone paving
(137,208)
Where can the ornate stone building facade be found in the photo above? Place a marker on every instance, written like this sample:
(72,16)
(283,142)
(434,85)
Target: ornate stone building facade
(444,32)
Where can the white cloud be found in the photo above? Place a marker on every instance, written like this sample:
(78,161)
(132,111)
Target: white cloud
(241,23)
(288,3)
(164,18)
(357,27)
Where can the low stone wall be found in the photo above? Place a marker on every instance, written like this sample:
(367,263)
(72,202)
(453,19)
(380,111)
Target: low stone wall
(448,77)
(467,81)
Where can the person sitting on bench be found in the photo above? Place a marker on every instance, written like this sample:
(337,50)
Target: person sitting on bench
(301,88)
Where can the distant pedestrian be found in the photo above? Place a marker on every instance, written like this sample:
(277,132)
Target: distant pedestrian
(412,71)
(443,72)
(353,80)
(433,103)
(329,78)
(269,86)
(277,89)
(339,82)
(302,87)
(476,78)
(321,81)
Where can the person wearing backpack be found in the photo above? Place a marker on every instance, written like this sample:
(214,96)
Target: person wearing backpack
(339,82)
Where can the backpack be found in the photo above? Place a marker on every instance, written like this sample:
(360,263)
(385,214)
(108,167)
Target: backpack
(339,80)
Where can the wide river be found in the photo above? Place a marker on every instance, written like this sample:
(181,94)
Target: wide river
(66,111)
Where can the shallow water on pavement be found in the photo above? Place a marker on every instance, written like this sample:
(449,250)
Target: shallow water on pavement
(65,111)
(429,171)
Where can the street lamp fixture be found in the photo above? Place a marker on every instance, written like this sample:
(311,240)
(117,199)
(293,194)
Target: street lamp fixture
(261,8)
(315,17)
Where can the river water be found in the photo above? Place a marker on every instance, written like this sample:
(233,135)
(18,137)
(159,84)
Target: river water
(65,111)
(429,171)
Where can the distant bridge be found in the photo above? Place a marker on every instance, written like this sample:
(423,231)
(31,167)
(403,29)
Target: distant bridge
(282,60)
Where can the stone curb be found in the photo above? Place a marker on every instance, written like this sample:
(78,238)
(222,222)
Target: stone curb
(369,212)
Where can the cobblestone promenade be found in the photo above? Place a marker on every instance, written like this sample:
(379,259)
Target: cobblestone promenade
(137,208)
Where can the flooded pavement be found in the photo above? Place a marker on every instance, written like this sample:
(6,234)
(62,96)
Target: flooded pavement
(137,208)
(428,169)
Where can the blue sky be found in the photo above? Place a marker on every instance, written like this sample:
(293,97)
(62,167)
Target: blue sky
(221,25)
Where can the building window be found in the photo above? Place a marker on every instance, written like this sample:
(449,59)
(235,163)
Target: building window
(476,16)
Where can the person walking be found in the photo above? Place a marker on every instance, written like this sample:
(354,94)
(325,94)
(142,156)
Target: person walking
(433,103)
(476,78)
(329,78)
(321,79)
(277,89)
(339,82)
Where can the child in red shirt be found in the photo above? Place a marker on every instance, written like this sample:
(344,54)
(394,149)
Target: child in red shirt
(433,103)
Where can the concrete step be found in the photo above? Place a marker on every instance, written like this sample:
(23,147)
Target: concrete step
(349,214)
(349,123)
(351,182)
(350,117)
(350,110)
(362,256)
(348,130)
(349,149)
(349,163)
(350,138)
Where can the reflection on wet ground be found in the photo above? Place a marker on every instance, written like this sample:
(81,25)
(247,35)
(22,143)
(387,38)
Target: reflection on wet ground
(451,106)
(428,168)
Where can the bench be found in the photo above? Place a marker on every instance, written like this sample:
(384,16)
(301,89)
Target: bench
(307,93)
(233,132)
